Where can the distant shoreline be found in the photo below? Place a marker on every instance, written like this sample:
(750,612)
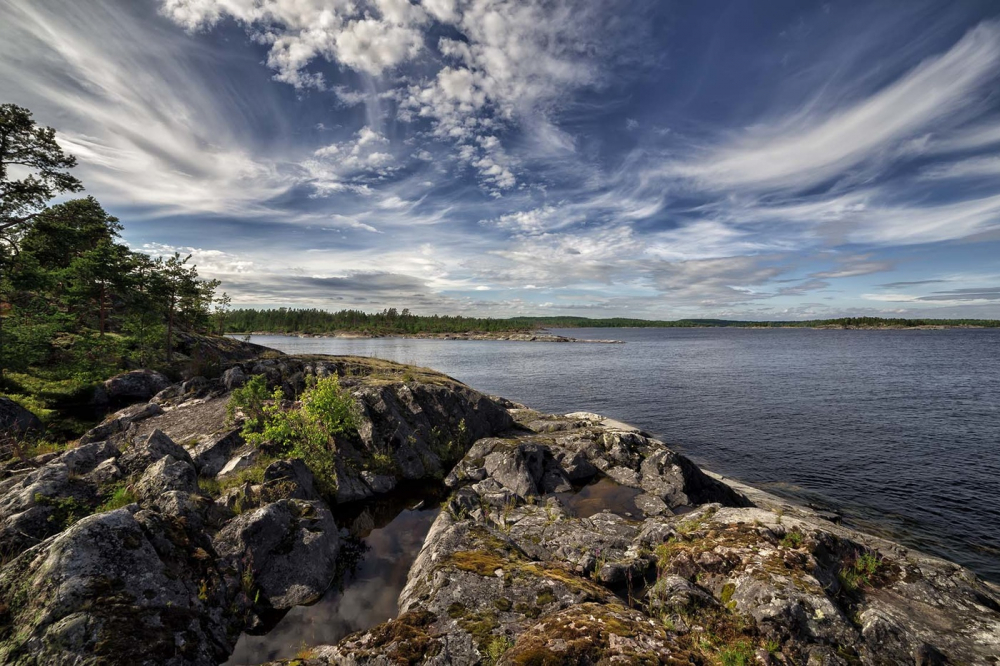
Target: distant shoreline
(506,336)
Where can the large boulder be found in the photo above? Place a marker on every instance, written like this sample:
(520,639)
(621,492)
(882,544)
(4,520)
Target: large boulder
(288,549)
(211,456)
(167,474)
(143,454)
(119,587)
(15,420)
(133,386)
(119,426)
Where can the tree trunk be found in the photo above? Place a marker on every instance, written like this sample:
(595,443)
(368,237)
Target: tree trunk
(170,329)
(101,307)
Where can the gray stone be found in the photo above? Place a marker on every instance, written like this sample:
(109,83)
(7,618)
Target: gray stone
(75,612)
(379,483)
(84,458)
(243,458)
(135,385)
(291,547)
(120,422)
(106,473)
(517,468)
(233,378)
(143,454)
(16,420)
(292,478)
(211,456)
(167,474)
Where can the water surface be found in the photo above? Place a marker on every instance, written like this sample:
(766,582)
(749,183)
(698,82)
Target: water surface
(899,430)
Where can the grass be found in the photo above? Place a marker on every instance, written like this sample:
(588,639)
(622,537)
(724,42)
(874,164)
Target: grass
(861,573)
(740,653)
(121,495)
(496,649)
(65,510)
(793,539)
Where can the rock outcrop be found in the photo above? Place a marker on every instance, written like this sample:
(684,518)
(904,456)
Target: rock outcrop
(715,572)
(162,535)
(16,421)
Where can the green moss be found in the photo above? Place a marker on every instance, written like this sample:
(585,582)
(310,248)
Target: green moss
(480,626)
(545,597)
(457,610)
(727,593)
(502,605)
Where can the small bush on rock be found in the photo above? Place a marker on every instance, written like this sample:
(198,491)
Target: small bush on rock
(249,400)
(308,431)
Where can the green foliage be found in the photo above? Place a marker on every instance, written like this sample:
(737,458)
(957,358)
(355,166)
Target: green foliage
(861,573)
(381,463)
(35,151)
(392,322)
(327,402)
(793,539)
(249,400)
(309,432)
(737,654)
(67,282)
(119,495)
(65,510)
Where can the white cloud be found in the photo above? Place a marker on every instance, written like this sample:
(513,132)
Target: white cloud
(809,148)
(368,37)
(145,123)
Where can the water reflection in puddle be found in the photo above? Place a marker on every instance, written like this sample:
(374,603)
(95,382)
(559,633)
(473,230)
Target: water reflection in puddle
(603,494)
(394,535)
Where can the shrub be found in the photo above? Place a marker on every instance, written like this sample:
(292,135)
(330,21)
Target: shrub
(862,573)
(332,406)
(309,432)
(250,400)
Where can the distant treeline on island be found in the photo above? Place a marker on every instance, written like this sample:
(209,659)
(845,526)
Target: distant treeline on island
(396,322)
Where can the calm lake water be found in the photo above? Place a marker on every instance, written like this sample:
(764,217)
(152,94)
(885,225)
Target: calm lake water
(897,430)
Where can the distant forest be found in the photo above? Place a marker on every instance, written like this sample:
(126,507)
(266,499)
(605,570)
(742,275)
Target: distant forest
(395,322)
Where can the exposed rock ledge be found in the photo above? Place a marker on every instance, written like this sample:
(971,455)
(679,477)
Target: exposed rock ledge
(691,570)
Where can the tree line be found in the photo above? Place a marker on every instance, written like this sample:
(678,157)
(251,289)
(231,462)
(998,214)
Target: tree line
(394,322)
(74,299)
(387,322)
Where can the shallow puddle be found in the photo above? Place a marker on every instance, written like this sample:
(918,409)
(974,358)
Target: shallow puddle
(602,495)
(393,530)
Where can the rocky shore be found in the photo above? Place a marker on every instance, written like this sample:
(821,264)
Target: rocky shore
(162,535)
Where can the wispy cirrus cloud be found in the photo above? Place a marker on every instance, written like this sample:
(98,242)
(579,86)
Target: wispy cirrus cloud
(505,155)
(813,146)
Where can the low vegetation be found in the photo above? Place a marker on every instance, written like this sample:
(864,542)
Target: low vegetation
(308,429)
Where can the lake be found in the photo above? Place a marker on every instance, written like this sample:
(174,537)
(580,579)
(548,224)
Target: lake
(898,430)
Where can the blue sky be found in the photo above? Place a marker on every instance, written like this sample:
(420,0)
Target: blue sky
(646,158)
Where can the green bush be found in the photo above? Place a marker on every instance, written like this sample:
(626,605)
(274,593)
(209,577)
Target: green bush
(334,407)
(328,412)
(249,399)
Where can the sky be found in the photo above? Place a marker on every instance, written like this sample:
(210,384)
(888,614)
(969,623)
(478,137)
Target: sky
(642,158)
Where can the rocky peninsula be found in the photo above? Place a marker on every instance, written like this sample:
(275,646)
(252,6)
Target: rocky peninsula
(174,526)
